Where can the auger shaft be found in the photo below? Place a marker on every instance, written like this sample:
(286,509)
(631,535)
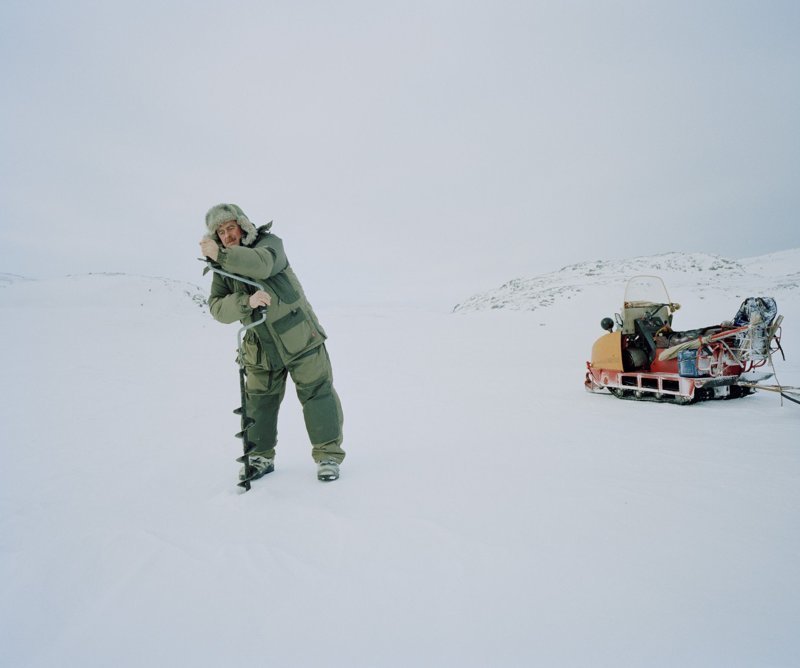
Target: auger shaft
(246,422)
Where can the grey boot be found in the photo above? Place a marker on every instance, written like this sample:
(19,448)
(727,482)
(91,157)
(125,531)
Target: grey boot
(327,471)
(260,465)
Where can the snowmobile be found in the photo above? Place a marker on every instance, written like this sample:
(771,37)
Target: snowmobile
(645,359)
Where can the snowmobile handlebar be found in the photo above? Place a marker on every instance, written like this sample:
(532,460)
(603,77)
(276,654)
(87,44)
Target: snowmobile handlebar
(657,307)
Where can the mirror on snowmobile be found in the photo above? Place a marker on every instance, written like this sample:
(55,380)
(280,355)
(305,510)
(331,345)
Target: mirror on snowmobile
(607,324)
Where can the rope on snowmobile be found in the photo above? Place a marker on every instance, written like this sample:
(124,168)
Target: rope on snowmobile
(246,421)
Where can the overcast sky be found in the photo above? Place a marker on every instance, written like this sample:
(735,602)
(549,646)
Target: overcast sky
(413,150)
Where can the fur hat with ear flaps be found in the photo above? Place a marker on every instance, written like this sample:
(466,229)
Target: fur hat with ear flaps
(222,213)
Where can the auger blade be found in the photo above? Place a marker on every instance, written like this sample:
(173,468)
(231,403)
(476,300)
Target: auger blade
(246,424)
(246,455)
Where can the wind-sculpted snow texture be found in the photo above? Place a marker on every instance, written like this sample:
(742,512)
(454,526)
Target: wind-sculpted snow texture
(490,511)
(696,272)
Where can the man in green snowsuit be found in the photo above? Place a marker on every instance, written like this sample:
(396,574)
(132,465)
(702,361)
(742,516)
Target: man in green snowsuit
(290,342)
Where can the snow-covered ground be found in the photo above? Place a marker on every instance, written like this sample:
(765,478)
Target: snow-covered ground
(490,511)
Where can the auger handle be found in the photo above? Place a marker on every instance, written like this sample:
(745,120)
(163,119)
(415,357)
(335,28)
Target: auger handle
(262,310)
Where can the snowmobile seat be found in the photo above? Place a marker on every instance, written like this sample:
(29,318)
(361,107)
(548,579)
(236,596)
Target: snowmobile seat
(667,338)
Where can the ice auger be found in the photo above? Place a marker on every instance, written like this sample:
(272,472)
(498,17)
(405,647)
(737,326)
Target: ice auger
(246,422)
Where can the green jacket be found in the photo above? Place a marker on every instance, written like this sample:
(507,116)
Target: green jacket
(292,328)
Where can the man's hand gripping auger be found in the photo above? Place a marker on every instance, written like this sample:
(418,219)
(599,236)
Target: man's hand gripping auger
(247,422)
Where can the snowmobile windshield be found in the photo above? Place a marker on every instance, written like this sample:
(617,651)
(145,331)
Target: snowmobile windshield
(643,290)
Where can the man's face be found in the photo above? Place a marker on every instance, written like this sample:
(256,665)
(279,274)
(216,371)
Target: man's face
(230,234)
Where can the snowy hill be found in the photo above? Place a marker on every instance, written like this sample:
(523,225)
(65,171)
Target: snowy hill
(8,279)
(490,511)
(697,273)
(96,290)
